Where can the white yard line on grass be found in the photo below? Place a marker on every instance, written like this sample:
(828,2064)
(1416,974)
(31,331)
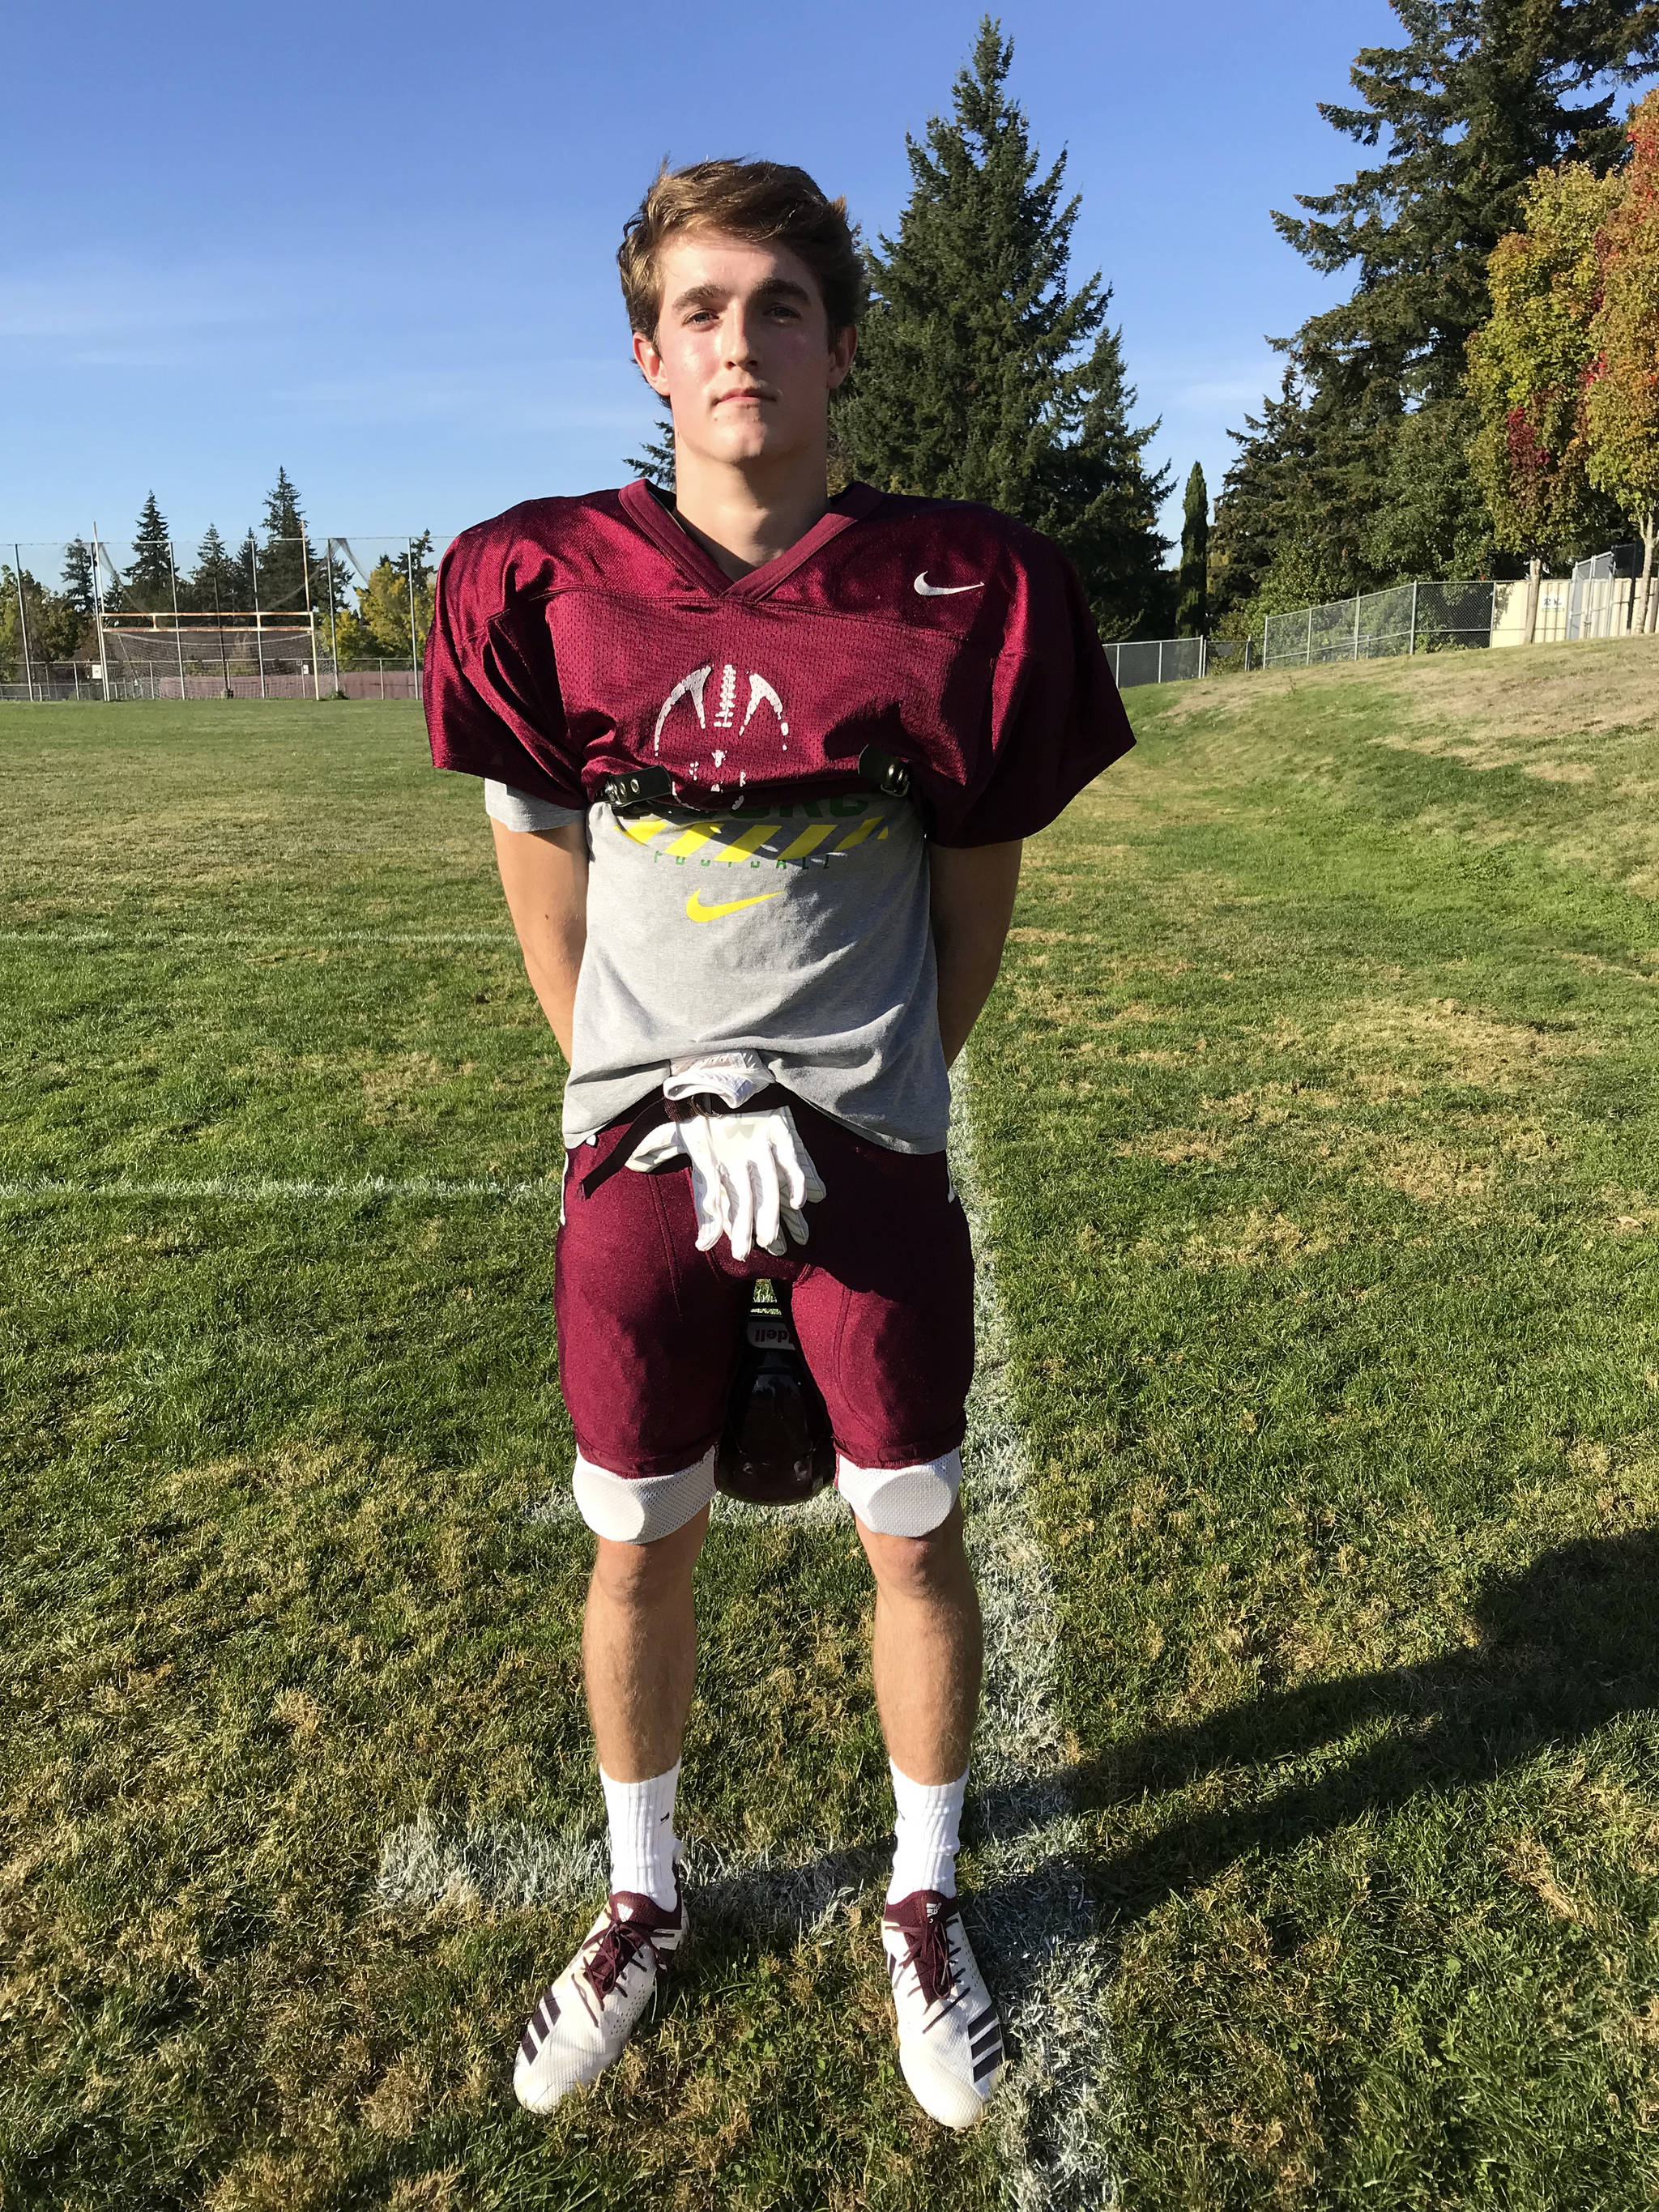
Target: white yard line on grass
(320,940)
(271,1190)
(1029,1909)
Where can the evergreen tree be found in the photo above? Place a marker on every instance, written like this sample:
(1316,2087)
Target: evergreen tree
(282,517)
(150,579)
(1476,102)
(981,375)
(656,463)
(213,583)
(1262,547)
(282,556)
(1481,96)
(1429,518)
(1192,583)
(78,593)
(260,574)
(76,605)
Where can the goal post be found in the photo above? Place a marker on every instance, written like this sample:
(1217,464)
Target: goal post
(160,617)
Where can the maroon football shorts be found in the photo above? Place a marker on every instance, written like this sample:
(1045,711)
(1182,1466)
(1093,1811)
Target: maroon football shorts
(882,1293)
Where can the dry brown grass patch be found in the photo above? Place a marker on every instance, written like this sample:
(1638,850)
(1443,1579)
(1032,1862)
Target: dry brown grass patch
(1174,1147)
(1260,1239)
(1537,692)
(1458,1043)
(397,1081)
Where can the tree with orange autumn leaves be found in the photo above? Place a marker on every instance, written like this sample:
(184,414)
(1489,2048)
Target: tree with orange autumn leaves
(1621,401)
(1564,373)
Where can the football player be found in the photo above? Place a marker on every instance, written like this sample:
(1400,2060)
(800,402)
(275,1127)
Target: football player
(759,763)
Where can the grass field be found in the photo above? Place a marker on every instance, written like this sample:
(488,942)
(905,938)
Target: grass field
(1318,1117)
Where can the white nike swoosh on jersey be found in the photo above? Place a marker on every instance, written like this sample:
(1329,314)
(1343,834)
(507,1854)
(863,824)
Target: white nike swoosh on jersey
(943,591)
(697,911)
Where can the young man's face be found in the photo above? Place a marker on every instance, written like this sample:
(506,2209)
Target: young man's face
(743,350)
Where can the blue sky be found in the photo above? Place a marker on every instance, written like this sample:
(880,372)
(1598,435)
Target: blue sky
(374,244)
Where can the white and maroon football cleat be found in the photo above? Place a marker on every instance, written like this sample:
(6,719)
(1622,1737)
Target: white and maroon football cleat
(950,2037)
(581,2025)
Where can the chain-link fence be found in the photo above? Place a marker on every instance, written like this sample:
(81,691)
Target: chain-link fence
(1408,618)
(1137,660)
(1606,597)
(270,617)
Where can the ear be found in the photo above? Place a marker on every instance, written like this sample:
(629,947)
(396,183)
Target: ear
(842,347)
(650,363)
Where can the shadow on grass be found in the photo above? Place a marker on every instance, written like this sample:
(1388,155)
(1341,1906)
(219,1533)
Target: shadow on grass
(1563,1648)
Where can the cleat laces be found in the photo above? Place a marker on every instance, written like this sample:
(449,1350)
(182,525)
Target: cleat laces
(612,1952)
(927,1950)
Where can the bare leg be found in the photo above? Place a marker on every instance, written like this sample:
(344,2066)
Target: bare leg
(639,1650)
(928,1650)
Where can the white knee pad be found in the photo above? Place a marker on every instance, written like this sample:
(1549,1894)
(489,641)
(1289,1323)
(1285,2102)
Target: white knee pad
(637,1509)
(901,1501)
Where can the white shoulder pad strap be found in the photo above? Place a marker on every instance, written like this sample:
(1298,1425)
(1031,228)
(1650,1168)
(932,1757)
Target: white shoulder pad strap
(637,1509)
(901,1501)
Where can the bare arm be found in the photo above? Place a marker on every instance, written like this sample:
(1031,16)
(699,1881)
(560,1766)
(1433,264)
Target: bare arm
(544,875)
(973,903)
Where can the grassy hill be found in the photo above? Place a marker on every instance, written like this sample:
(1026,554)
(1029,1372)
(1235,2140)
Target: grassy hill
(1319,1106)
(1323,1097)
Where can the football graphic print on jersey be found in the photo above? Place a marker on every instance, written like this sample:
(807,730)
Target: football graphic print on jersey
(692,687)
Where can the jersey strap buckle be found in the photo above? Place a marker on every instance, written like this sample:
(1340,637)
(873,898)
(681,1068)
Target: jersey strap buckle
(640,789)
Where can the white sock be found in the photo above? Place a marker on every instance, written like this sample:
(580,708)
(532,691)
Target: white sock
(929,1815)
(643,1844)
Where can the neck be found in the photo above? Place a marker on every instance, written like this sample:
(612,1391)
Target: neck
(744,514)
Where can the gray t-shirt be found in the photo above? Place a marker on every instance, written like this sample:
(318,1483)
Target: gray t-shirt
(798,932)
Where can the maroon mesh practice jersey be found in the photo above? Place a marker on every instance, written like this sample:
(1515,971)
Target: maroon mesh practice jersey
(576,639)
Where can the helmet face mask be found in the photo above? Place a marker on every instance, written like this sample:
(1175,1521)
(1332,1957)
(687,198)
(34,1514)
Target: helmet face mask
(776,1449)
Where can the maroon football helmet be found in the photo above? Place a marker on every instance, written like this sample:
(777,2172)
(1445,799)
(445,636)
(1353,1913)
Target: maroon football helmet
(776,1449)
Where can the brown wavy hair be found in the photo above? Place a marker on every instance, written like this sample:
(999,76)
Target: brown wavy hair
(763,202)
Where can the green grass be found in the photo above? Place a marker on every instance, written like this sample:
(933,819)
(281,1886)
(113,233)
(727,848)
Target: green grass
(270,1590)
(1319,1101)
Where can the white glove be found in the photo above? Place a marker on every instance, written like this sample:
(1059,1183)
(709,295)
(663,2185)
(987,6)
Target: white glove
(734,1076)
(750,1176)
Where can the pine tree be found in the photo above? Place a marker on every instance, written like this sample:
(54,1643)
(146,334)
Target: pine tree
(1261,546)
(981,375)
(1481,96)
(1192,583)
(213,584)
(656,463)
(78,593)
(282,556)
(149,577)
(1474,104)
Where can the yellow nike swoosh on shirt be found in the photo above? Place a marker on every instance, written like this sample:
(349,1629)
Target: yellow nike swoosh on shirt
(697,911)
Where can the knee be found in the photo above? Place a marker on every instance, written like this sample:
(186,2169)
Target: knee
(912,1569)
(646,1574)
(901,1501)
